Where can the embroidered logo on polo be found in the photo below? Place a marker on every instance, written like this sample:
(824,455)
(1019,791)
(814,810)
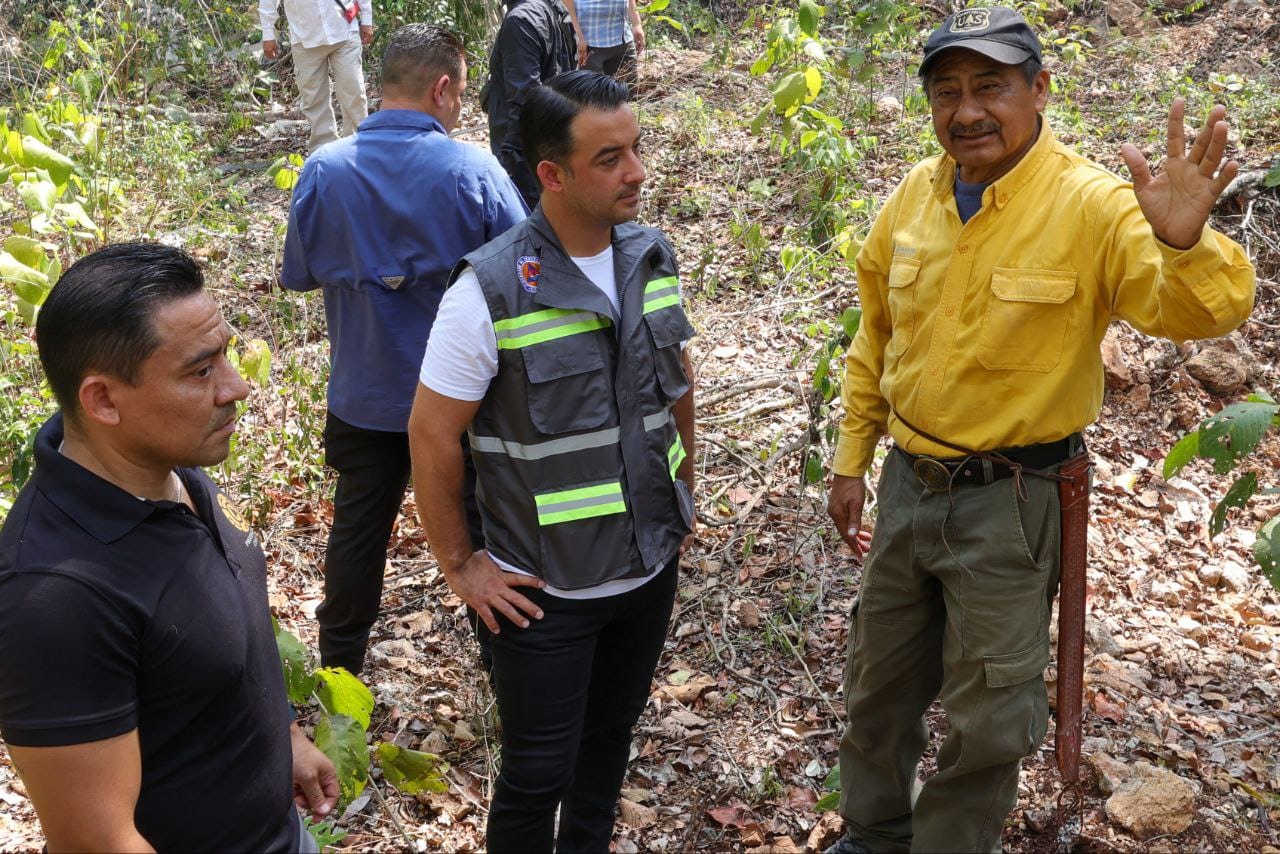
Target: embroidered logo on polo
(232,512)
(393,282)
(528,271)
(971,20)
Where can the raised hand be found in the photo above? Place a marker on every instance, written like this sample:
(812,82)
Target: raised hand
(1178,200)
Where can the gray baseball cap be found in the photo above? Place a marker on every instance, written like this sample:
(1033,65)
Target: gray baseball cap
(996,32)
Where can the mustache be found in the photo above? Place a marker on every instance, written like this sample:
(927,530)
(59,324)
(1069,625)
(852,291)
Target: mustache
(974,130)
(224,415)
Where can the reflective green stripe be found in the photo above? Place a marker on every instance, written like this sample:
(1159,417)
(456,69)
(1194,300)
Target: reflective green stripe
(546,325)
(661,293)
(661,302)
(675,456)
(585,502)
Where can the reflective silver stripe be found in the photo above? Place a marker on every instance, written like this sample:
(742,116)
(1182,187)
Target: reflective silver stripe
(565,445)
(541,450)
(656,420)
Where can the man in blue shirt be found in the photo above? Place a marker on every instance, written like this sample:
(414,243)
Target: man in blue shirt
(614,36)
(378,221)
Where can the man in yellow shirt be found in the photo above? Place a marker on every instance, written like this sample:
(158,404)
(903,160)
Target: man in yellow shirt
(987,283)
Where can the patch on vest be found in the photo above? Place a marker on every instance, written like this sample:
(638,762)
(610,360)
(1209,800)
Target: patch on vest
(393,282)
(971,20)
(529,270)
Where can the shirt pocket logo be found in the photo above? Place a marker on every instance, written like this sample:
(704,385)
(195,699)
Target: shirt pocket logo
(903,273)
(1026,320)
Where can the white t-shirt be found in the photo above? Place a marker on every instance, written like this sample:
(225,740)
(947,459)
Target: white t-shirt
(462,359)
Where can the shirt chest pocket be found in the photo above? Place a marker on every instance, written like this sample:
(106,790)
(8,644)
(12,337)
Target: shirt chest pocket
(1028,315)
(568,390)
(903,273)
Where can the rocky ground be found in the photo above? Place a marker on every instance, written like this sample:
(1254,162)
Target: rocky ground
(1182,725)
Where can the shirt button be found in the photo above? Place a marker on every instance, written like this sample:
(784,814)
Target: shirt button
(1004,199)
(933,372)
(1184,264)
(950,311)
(962,248)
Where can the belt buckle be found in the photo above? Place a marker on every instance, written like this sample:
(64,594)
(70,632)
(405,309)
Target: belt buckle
(933,474)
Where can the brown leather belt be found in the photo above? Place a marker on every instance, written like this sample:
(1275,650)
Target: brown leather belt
(937,474)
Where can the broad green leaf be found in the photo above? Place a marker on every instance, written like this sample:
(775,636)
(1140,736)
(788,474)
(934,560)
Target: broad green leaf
(28,251)
(33,126)
(790,256)
(342,740)
(39,155)
(33,294)
(655,6)
(343,694)
(1184,451)
(1266,550)
(89,136)
(38,196)
(850,319)
(1237,496)
(1234,432)
(813,470)
(813,81)
(763,64)
(412,771)
(13,270)
(670,22)
(758,123)
(832,781)
(75,214)
(1272,178)
(299,681)
(828,802)
(255,361)
(809,14)
(790,92)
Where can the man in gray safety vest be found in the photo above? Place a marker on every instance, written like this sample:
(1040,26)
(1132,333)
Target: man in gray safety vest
(558,349)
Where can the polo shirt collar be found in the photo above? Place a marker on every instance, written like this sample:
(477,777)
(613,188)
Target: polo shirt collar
(1003,189)
(103,509)
(410,119)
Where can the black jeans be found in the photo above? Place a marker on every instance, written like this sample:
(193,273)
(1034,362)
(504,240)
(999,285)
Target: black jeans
(570,689)
(373,469)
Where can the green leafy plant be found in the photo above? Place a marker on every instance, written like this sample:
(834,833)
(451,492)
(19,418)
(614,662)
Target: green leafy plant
(1227,439)
(345,709)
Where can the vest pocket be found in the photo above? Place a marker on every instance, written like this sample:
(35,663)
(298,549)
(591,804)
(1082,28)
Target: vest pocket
(667,329)
(1026,320)
(568,390)
(902,278)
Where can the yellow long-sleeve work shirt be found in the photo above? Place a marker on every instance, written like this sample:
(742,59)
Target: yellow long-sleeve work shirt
(987,333)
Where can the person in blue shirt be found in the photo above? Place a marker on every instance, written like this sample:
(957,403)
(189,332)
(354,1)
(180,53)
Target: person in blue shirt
(378,221)
(614,35)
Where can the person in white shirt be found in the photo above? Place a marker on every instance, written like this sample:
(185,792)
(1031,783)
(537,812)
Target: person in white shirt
(327,37)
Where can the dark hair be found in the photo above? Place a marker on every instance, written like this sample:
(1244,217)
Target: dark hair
(548,110)
(1030,68)
(418,55)
(98,315)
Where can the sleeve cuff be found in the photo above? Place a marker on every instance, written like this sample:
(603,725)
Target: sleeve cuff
(1193,268)
(853,455)
(269,34)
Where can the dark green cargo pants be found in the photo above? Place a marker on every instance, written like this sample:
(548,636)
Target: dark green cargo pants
(954,603)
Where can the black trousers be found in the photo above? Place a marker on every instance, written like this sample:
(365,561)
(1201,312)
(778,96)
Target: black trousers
(570,688)
(373,470)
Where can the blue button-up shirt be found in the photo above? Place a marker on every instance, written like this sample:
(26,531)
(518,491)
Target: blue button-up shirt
(604,22)
(378,220)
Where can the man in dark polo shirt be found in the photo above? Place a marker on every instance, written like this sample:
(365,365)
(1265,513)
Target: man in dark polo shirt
(141,693)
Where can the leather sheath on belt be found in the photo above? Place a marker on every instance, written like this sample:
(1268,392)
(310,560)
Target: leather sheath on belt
(1073,494)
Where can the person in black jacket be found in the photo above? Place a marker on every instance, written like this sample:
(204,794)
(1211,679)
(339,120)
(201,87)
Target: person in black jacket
(535,43)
